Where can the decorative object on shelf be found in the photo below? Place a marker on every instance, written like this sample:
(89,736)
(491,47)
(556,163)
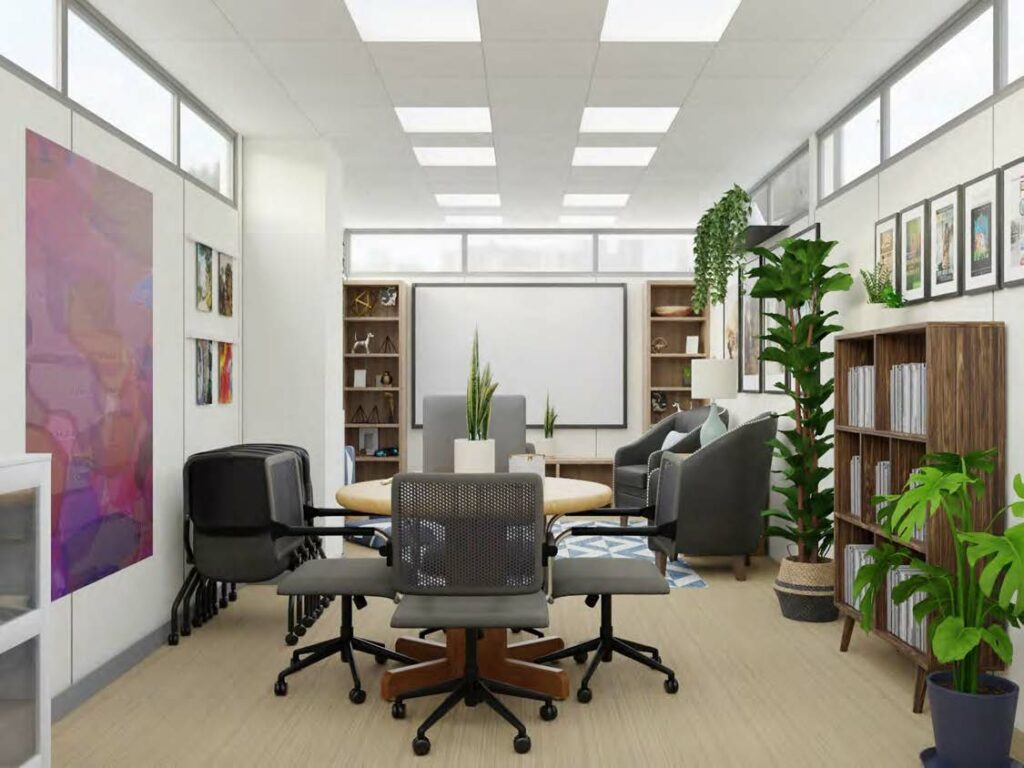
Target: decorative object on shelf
(981,233)
(363,304)
(673,310)
(693,345)
(750,334)
(945,264)
(359,377)
(392,451)
(1013,223)
(879,286)
(658,345)
(204,278)
(718,247)
(913,253)
(800,277)
(687,377)
(385,379)
(968,606)
(389,408)
(359,417)
(225,373)
(204,372)
(363,344)
(731,318)
(713,379)
(367,441)
(887,242)
(389,348)
(374,416)
(659,403)
(225,285)
(389,296)
(476,453)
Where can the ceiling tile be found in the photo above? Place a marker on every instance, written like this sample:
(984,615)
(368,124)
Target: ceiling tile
(540,59)
(168,20)
(351,91)
(538,92)
(556,119)
(534,149)
(658,60)
(428,60)
(541,19)
(638,92)
(778,20)
(276,20)
(723,94)
(315,62)
(437,92)
(900,20)
(764,59)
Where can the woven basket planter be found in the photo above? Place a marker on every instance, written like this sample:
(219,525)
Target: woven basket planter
(806,591)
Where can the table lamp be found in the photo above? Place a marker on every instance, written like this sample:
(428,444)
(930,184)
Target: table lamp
(713,380)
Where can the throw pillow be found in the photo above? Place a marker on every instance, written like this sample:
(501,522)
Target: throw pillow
(672,439)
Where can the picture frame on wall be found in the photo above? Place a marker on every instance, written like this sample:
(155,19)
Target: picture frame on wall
(730,320)
(750,318)
(887,245)
(980,220)
(912,255)
(1013,223)
(945,262)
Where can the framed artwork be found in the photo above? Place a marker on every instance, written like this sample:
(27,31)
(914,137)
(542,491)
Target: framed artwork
(912,255)
(225,285)
(730,320)
(1013,227)
(204,278)
(981,233)
(225,373)
(887,242)
(945,257)
(750,334)
(204,372)
(368,441)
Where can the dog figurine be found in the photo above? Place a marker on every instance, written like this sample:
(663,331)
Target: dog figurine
(364,343)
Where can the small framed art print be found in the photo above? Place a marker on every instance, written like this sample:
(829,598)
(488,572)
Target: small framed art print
(980,223)
(887,241)
(945,262)
(1013,223)
(913,253)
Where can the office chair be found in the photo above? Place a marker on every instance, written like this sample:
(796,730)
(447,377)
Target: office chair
(490,575)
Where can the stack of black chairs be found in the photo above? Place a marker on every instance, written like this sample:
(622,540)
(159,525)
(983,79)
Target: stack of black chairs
(225,542)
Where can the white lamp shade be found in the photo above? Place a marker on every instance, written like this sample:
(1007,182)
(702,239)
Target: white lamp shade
(714,379)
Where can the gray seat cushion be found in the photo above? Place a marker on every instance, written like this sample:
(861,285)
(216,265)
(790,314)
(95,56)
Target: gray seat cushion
(606,576)
(633,475)
(477,611)
(367,576)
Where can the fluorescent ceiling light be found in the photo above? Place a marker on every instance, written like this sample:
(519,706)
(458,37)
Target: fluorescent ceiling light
(468,200)
(415,20)
(667,20)
(627,119)
(572,220)
(473,221)
(455,155)
(444,119)
(613,156)
(580,200)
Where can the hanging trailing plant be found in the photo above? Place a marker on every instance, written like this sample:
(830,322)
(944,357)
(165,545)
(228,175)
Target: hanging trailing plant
(718,247)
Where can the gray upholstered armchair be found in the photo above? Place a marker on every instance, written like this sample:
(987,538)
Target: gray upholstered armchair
(635,461)
(725,488)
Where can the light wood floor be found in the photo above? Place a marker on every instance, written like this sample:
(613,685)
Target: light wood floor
(756,690)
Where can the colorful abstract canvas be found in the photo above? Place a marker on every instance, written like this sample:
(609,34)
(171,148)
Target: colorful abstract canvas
(225,285)
(225,382)
(204,372)
(89,359)
(204,278)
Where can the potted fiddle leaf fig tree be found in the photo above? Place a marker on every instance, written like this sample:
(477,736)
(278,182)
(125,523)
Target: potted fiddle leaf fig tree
(967,606)
(797,279)
(475,453)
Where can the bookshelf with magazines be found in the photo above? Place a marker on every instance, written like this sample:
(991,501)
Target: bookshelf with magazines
(901,393)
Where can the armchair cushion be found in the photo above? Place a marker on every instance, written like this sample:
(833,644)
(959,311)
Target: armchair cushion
(632,475)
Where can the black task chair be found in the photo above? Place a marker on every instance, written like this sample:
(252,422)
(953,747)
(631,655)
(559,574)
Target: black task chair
(490,575)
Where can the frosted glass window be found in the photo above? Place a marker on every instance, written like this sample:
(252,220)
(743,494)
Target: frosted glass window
(790,197)
(645,253)
(373,253)
(827,165)
(108,83)
(28,36)
(860,142)
(952,79)
(205,152)
(759,198)
(1015,39)
(530,253)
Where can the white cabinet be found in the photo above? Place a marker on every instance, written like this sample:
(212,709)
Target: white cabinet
(24,605)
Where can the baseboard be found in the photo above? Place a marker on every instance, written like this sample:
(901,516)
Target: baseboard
(80,691)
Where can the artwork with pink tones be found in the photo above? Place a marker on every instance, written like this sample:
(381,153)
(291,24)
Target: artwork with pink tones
(89,359)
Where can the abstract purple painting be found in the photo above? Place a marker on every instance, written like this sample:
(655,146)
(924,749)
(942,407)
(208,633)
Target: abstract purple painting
(89,359)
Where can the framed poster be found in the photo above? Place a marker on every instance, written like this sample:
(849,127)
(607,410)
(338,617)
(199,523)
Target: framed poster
(912,255)
(730,320)
(945,262)
(1013,228)
(887,242)
(225,285)
(750,333)
(980,222)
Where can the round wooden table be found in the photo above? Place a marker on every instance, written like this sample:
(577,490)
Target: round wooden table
(498,660)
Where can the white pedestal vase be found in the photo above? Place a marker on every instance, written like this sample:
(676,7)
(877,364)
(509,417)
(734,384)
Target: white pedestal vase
(474,456)
(545,446)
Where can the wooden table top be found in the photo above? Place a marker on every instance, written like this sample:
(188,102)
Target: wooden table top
(561,495)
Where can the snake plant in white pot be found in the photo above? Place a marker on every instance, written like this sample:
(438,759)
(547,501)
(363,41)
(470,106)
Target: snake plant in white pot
(475,453)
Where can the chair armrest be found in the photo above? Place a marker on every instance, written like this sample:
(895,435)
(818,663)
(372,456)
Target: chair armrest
(647,512)
(665,529)
(637,451)
(311,513)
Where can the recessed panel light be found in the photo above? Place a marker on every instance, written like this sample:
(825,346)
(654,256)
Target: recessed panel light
(444,119)
(613,156)
(667,20)
(587,200)
(415,20)
(473,200)
(627,119)
(473,221)
(476,156)
(573,220)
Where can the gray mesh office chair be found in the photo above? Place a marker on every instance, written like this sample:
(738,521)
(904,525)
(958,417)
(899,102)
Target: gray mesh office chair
(468,555)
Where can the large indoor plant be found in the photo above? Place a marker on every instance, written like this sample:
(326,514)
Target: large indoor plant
(967,606)
(475,453)
(798,278)
(718,247)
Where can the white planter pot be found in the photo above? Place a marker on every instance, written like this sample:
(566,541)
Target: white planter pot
(474,456)
(545,446)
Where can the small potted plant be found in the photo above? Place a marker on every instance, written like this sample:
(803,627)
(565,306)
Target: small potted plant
(967,605)
(475,453)
(546,447)
(879,288)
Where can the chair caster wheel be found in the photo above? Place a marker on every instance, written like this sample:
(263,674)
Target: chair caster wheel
(421,745)
(380,658)
(232,596)
(549,711)
(223,603)
(281,688)
(584,695)
(300,630)
(308,622)
(186,631)
(522,744)
(172,639)
(398,710)
(671,685)
(291,639)
(580,657)
(357,695)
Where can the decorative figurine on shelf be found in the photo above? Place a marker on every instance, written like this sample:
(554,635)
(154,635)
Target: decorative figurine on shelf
(687,376)
(362,304)
(374,415)
(389,346)
(389,296)
(359,417)
(658,345)
(659,403)
(364,343)
(389,408)
(385,379)
(678,409)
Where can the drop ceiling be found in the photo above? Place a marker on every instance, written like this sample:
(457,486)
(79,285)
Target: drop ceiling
(298,69)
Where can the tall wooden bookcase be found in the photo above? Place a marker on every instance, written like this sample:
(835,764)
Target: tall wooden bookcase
(382,407)
(966,411)
(667,371)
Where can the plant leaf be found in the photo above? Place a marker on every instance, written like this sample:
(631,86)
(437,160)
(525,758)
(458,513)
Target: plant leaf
(952,641)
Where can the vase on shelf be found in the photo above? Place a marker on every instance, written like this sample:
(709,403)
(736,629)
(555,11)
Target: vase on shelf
(474,456)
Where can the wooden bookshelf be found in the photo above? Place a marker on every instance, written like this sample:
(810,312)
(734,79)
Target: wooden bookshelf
(966,411)
(667,372)
(384,406)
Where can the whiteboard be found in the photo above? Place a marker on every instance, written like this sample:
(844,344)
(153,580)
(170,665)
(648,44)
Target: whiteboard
(566,339)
